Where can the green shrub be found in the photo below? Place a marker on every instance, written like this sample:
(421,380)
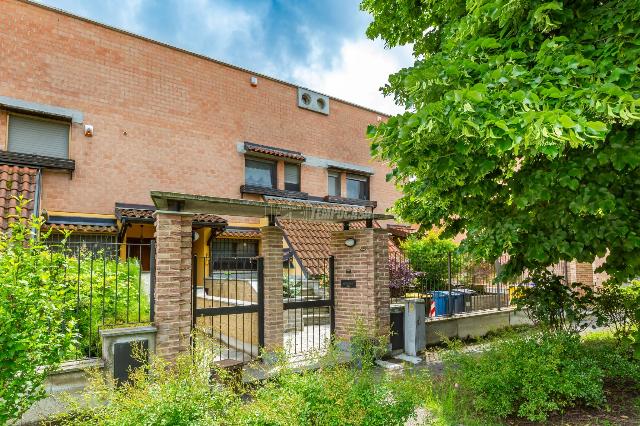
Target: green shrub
(428,255)
(337,395)
(161,393)
(528,376)
(551,303)
(35,328)
(616,305)
(105,292)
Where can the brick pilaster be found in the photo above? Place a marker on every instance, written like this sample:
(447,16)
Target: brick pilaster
(581,273)
(368,264)
(271,245)
(173,283)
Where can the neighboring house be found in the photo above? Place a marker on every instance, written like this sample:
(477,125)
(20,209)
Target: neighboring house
(93,118)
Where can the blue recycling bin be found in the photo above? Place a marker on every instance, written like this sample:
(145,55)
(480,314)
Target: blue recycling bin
(442,302)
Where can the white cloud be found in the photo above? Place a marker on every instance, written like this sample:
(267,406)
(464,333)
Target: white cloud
(221,25)
(356,73)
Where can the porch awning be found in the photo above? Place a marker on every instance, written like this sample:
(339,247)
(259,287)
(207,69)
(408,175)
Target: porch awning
(316,211)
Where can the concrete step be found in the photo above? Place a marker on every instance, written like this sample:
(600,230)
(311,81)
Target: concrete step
(318,318)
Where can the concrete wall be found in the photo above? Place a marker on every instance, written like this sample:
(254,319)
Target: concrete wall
(472,325)
(163,119)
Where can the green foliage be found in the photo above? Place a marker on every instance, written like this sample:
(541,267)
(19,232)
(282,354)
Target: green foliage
(616,306)
(334,396)
(35,330)
(522,126)
(105,292)
(528,376)
(554,304)
(162,393)
(428,255)
(182,394)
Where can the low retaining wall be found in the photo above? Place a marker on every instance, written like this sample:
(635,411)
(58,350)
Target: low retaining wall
(71,379)
(472,324)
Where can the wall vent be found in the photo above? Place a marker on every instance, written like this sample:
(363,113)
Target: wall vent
(313,101)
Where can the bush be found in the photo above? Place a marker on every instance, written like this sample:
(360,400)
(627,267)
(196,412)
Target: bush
(160,393)
(35,328)
(105,293)
(529,376)
(401,276)
(616,305)
(428,255)
(183,394)
(553,304)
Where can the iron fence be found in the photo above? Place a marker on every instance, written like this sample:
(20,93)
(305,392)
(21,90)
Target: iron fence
(227,306)
(309,318)
(450,284)
(107,287)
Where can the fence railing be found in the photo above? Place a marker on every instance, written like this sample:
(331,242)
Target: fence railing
(450,284)
(109,288)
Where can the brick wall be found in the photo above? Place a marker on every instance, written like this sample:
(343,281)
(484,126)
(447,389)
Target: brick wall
(271,244)
(367,263)
(163,119)
(173,283)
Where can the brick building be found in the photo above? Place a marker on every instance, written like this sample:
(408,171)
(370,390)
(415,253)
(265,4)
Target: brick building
(93,118)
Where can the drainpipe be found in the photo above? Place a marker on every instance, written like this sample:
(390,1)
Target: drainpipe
(36,200)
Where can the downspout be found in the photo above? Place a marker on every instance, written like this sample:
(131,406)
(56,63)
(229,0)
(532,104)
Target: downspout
(36,201)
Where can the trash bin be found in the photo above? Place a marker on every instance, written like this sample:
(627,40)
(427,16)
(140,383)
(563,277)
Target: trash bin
(442,302)
(467,294)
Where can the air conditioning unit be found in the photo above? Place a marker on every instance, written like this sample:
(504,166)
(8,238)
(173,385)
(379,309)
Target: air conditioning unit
(313,101)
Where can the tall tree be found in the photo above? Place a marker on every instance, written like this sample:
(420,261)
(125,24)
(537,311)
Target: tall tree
(522,126)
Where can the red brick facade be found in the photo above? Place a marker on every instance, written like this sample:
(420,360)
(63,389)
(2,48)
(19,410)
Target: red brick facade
(163,119)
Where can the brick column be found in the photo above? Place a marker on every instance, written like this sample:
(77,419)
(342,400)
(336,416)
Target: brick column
(173,283)
(271,246)
(368,264)
(580,273)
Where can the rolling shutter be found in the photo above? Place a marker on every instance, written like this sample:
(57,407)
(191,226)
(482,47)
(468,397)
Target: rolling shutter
(38,136)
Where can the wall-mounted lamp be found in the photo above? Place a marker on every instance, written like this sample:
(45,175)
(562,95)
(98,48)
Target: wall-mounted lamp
(196,235)
(350,242)
(254,81)
(88,130)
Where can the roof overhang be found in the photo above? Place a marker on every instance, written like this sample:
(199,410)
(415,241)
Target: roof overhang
(313,211)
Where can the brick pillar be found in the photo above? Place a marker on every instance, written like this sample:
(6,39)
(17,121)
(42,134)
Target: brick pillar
(173,283)
(368,264)
(580,273)
(271,245)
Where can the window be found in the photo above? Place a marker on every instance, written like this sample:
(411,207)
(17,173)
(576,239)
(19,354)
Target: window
(291,177)
(233,254)
(334,184)
(40,136)
(357,187)
(260,173)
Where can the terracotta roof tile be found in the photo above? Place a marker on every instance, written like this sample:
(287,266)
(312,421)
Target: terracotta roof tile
(85,229)
(311,241)
(276,152)
(249,234)
(16,181)
(142,214)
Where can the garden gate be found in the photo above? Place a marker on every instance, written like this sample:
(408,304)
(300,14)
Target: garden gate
(309,317)
(228,306)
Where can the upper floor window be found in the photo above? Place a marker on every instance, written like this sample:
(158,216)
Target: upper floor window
(291,177)
(39,136)
(260,172)
(334,184)
(357,187)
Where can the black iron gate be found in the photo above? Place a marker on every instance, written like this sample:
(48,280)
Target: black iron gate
(309,317)
(228,306)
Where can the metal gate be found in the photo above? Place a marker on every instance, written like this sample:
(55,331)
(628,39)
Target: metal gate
(309,317)
(228,306)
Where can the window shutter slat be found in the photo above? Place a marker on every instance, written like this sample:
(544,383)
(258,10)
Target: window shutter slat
(40,137)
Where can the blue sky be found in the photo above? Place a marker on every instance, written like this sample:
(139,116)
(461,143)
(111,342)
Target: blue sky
(319,44)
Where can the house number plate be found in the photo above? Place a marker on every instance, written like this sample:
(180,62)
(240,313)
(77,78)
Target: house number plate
(348,283)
